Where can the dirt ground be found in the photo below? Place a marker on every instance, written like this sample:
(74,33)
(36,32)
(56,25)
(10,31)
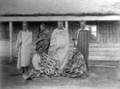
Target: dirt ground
(99,78)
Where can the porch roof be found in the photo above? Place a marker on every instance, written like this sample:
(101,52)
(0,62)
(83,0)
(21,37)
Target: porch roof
(15,10)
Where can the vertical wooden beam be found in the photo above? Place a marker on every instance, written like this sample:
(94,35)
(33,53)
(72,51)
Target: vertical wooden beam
(98,38)
(66,25)
(118,67)
(118,32)
(10,37)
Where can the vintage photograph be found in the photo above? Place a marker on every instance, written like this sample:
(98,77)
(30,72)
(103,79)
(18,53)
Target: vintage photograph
(59,44)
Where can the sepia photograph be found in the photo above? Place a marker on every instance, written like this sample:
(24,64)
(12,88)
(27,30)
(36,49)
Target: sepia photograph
(59,44)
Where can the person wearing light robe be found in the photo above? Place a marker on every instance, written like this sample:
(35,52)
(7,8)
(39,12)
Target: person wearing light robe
(59,45)
(24,44)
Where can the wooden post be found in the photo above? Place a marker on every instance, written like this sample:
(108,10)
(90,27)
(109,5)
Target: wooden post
(118,69)
(67,28)
(66,25)
(10,37)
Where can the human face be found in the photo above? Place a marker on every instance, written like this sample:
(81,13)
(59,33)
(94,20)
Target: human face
(60,25)
(42,27)
(24,26)
(82,24)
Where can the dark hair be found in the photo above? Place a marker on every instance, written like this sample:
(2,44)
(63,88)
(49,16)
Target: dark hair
(43,24)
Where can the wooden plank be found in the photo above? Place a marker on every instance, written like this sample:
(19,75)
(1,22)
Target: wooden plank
(98,33)
(101,34)
(60,18)
(107,29)
(111,26)
(111,32)
(66,25)
(10,36)
(118,32)
(102,53)
(91,45)
(108,33)
(4,48)
(105,49)
(104,58)
(104,29)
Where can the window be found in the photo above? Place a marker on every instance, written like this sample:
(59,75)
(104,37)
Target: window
(93,33)
(94,30)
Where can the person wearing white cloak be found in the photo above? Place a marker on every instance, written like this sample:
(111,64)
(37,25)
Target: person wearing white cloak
(59,45)
(24,47)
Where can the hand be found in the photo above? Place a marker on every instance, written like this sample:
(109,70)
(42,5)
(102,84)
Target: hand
(60,71)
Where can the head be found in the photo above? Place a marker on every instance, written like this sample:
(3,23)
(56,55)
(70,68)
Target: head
(82,24)
(39,51)
(24,26)
(60,24)
(42,26)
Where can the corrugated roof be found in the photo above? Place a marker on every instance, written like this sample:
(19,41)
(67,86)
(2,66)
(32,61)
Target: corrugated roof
(58,7)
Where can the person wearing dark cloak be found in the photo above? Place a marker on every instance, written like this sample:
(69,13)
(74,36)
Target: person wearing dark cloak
(42,45)
(82,40)
(43,39)
(77,66)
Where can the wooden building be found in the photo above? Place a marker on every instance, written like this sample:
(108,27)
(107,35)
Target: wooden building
(103,20)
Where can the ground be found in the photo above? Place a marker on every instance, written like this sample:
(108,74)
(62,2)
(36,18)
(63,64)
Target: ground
(99,78)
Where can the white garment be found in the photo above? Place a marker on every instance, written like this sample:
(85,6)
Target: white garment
(59,46)
(24,53)
(35,61)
